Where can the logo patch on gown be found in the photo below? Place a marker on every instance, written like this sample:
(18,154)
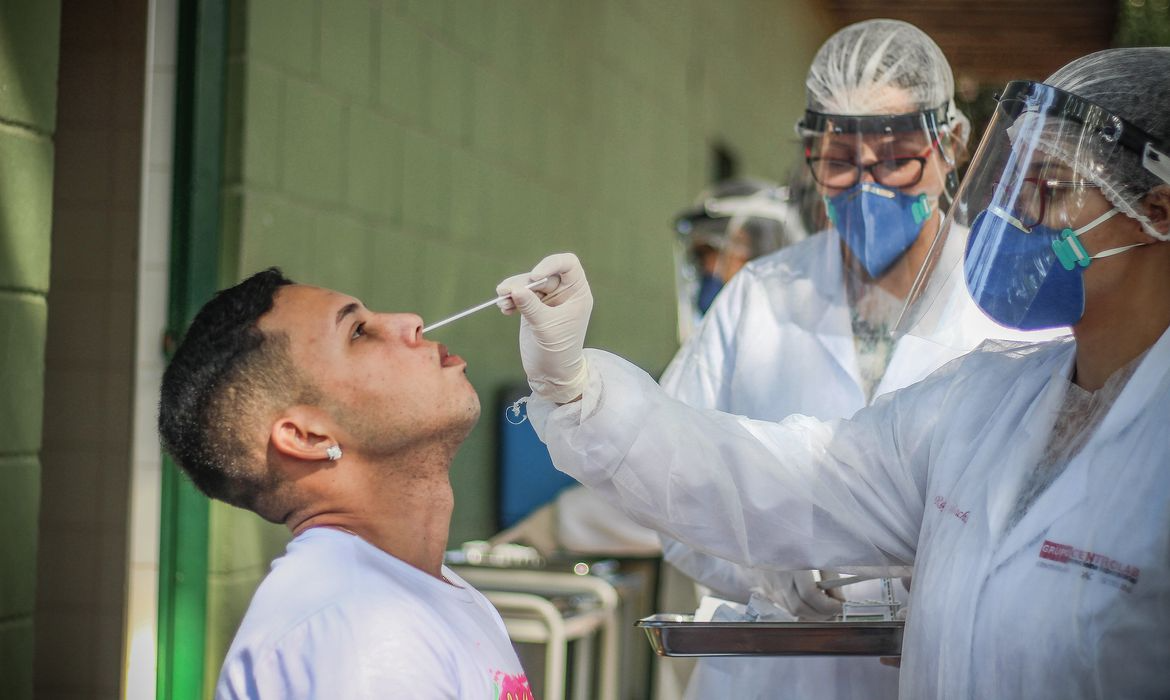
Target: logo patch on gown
(1090,565)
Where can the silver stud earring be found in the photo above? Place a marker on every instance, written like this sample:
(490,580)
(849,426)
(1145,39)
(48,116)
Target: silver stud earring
(333,452)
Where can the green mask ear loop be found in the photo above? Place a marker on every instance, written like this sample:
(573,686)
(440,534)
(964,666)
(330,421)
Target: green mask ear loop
(921,209)
(1071,253)
(830,211)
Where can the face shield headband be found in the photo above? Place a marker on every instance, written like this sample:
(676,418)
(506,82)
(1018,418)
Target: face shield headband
(816,123)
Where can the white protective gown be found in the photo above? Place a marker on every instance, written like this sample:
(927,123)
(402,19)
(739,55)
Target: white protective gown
(779,341)
(1073,602)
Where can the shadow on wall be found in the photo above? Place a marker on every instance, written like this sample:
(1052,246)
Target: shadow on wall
(25,55)
(28,69)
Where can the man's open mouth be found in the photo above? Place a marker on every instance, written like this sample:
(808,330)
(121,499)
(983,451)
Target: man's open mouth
(446,359)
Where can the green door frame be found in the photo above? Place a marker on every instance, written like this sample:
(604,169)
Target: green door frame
(194,277)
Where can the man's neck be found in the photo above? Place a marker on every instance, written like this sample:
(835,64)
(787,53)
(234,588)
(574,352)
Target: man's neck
(403,507)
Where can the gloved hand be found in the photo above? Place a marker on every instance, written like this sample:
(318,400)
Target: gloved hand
(554,317)
(798,593)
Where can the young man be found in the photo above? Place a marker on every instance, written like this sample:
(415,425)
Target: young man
(303,406)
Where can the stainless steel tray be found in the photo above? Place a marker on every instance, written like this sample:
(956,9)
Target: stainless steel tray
(680,635)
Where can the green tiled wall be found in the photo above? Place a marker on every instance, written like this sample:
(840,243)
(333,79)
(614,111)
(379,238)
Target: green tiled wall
(415,152)
(29,31)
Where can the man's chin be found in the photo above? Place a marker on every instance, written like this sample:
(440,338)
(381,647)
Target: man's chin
(471,417)
(472,401)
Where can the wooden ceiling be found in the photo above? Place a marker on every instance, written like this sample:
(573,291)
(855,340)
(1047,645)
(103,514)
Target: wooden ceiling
(992,41)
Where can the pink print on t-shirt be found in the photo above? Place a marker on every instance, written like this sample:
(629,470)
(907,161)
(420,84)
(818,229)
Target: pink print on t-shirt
(509,687)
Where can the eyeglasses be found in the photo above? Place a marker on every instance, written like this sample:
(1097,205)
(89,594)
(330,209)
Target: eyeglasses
(1036,195)
(839,174)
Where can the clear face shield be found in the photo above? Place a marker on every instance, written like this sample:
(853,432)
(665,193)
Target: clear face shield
(883,180)
(1019,236)
(697,246)
(715,240)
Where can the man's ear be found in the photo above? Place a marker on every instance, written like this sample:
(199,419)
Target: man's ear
(302,432)
(1156,205)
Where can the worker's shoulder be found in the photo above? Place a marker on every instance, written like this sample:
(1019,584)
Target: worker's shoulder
(794,261)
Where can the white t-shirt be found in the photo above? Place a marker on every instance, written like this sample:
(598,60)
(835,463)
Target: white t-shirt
(339,618)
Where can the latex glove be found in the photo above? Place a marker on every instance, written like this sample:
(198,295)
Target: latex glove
(554,317)
(798,593)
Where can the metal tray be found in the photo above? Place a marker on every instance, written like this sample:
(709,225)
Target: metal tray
(680,635)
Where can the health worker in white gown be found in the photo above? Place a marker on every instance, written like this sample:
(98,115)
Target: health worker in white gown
(1026,483)
(808,329)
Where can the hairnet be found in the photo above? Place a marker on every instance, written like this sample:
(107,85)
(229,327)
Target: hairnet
(854,69)
(1133,84)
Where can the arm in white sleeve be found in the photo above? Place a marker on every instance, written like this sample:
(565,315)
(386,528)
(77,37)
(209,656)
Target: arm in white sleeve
(698,377)
(725,579)
(800,494)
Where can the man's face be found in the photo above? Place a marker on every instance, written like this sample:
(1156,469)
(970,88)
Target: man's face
(386,386)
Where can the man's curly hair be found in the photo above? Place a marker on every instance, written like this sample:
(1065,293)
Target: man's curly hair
(225,377)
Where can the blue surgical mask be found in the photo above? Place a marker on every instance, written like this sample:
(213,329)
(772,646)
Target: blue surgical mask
(1029,280)
(878,223)
(709,286)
